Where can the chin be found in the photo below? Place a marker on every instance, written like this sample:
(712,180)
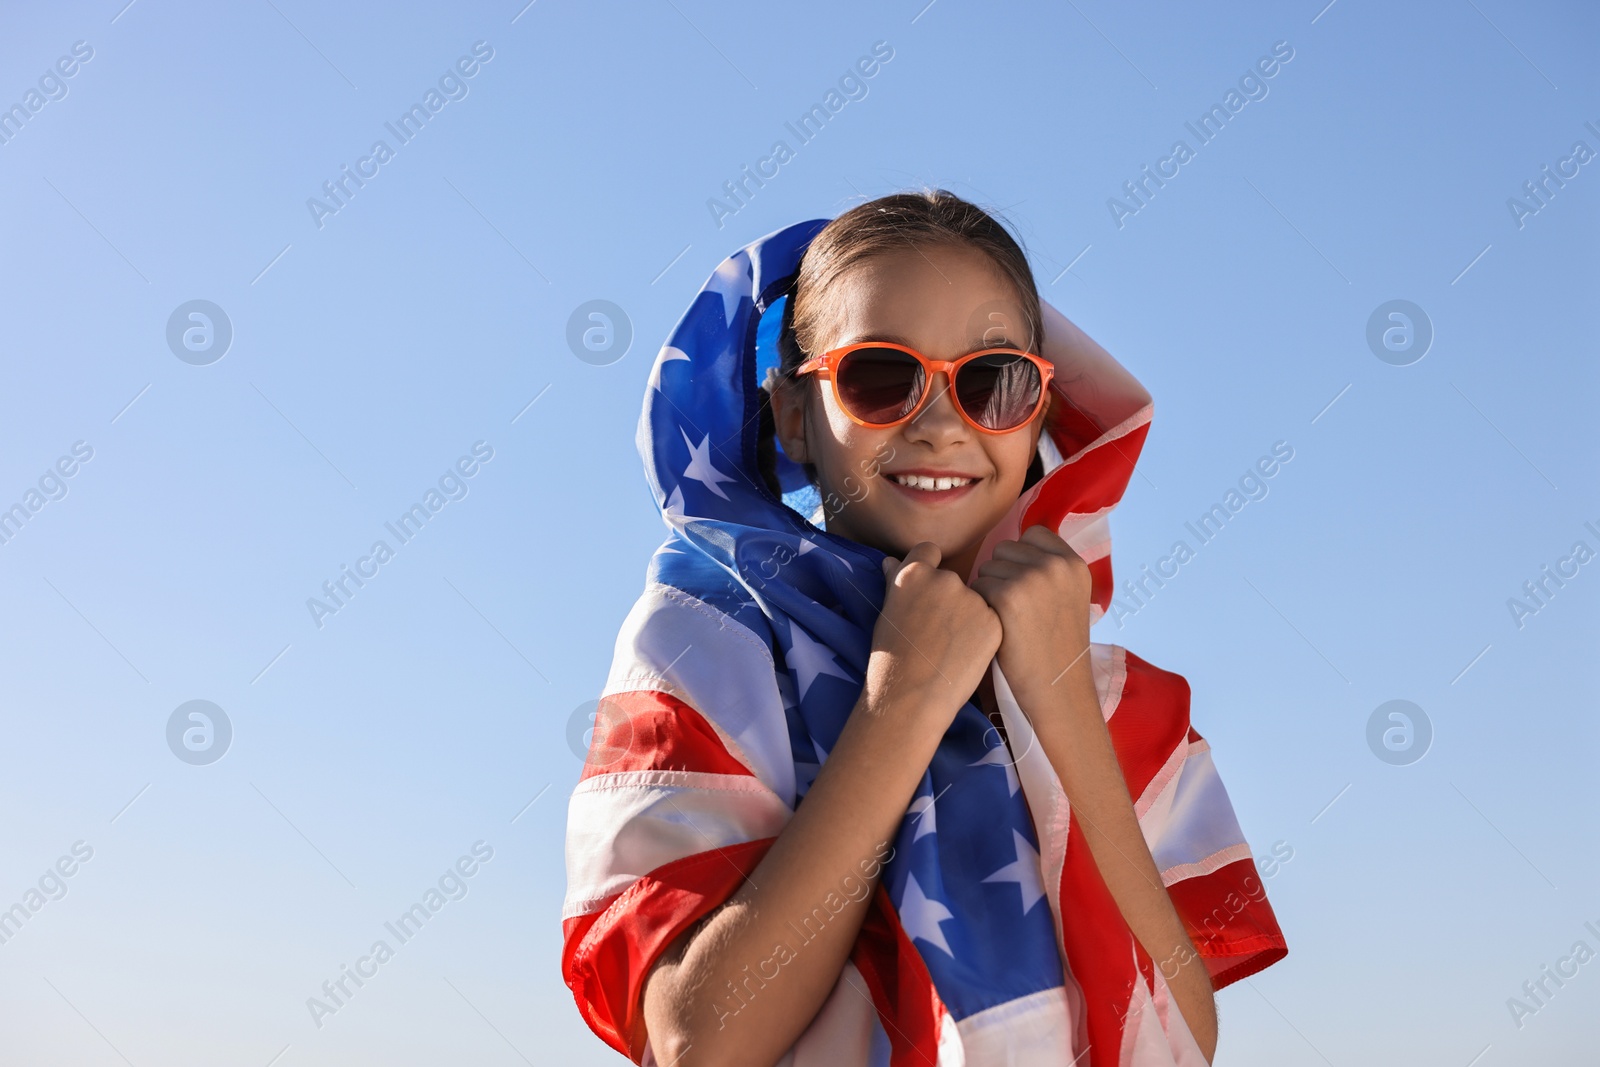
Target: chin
(950,541)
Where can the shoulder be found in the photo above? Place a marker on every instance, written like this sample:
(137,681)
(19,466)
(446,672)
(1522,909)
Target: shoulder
(1169,687)
(1122,676)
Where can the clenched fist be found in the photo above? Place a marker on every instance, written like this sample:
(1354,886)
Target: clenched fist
(1039,587)
(935,638)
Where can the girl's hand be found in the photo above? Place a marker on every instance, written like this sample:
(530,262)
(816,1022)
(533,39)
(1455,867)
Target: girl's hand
(1039,587)
(935,638)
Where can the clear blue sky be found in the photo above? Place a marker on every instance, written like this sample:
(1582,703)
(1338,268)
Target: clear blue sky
(370,352)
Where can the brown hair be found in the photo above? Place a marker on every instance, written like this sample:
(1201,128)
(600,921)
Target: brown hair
(890,224)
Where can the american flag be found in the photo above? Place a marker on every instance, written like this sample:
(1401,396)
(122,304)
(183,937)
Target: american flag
(991,937)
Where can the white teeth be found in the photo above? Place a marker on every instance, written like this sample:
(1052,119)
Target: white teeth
(922,481)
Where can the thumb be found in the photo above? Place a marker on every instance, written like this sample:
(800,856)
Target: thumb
(891,567)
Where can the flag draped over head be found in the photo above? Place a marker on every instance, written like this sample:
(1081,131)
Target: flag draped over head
(990,937)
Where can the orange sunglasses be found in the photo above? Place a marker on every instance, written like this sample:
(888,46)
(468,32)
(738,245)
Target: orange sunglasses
(879,384)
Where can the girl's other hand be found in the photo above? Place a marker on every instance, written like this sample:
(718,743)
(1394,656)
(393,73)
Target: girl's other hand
(1039,587)
(933,640)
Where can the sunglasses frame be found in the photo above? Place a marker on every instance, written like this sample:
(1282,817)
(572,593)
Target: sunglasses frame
(825,365)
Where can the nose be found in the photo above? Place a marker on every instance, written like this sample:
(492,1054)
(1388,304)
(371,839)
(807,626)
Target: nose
(938,423)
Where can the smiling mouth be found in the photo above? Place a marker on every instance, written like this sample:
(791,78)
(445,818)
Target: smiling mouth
(932,490)
(928,484)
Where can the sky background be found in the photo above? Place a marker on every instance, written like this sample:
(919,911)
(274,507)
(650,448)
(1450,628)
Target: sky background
(433,711)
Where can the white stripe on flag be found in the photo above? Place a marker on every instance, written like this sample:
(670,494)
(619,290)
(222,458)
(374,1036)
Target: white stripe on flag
(845,1032)
(622,826)
(1192,827)
(1155,802)
(679,644)
(1031,1031)
(841,1033)
(951,1051)
(1156,1033)
(1089,538)
(1047,800)
(1110,664)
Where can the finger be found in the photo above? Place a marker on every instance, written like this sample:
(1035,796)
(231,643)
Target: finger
(1002,568)
(1046,538)
(988,587)
(923,552)
(891,567)
(1019,552)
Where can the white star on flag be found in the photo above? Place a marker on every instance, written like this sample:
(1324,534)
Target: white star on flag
(700,467)
(1001,755)
(1024,871)
(927,816)
(920,916)
(811,659)
(727,281)
(668,355)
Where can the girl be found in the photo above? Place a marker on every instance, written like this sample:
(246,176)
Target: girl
(917,671)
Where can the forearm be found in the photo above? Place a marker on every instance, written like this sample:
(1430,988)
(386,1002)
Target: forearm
(735,995)
(1071,729)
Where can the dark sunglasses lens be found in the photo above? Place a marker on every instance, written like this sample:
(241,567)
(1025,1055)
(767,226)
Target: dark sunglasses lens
(879,385)
(999,392)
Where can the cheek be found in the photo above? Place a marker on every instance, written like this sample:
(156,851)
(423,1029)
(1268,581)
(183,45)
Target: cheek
(848,451)
(1011,456)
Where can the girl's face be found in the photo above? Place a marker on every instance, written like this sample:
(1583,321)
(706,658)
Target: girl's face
(944,301)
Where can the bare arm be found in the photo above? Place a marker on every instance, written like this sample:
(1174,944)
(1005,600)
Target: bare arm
(838,832)
(1072,731)
(1041,587)
(725,992)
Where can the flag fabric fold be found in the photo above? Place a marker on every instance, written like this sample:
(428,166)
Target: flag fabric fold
(990,937)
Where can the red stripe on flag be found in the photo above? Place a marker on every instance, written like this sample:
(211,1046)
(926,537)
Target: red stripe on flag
(607,955)
(1098,949)
(1092,481)
(1151,721)
(902,990)
(1100,583)
(1228,917)
(647,730)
